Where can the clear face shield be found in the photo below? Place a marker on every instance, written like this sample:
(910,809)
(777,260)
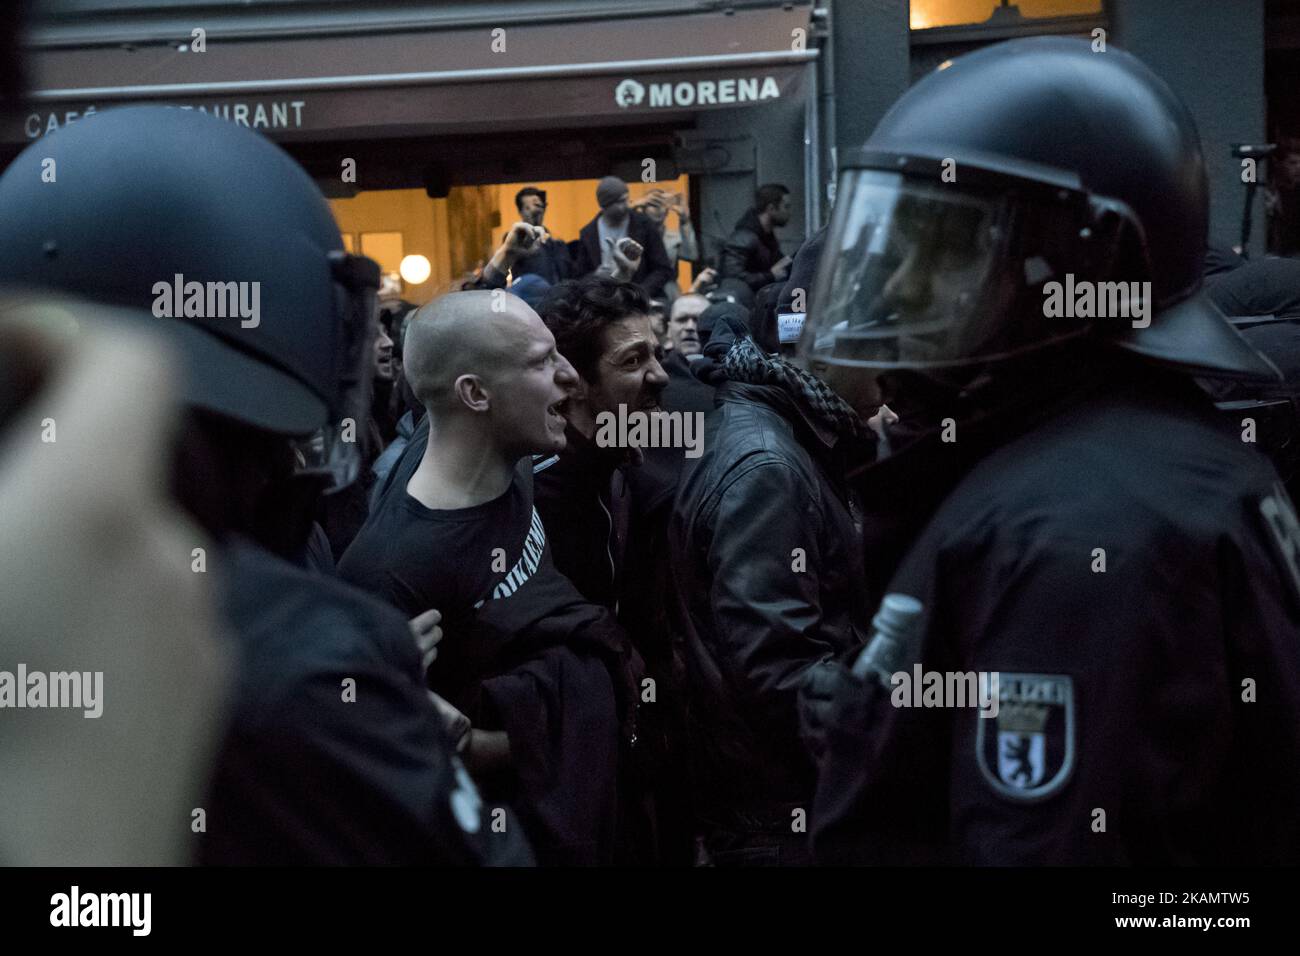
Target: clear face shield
(332,455)
(940,278)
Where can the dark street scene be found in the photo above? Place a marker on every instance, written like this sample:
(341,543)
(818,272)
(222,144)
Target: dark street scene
(637,435)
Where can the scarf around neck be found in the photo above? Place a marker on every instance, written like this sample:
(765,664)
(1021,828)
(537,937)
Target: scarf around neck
(746,362)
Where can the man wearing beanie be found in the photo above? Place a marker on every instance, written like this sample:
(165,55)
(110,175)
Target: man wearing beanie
(598,245)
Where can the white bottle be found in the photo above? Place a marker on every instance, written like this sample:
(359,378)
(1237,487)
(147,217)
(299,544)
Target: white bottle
(896,631)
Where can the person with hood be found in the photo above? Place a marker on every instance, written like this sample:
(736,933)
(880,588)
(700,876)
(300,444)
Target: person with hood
(752,253)
(1089,588)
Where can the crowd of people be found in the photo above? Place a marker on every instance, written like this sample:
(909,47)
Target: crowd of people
(451,621)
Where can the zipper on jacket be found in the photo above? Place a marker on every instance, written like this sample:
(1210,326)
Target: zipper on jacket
(613,571)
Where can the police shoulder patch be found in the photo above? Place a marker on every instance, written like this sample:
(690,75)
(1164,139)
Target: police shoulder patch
(1026,752)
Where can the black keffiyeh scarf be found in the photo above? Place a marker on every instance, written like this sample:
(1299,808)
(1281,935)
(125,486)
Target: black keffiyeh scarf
(746,362)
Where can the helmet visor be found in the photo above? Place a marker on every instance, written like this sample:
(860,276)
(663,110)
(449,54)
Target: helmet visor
(333,453)
(927,275)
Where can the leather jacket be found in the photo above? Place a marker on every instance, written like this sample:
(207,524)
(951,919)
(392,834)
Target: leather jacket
(768,581)
(749,253)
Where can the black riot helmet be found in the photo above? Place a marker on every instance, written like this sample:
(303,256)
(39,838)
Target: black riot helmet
(1020,196)
(215,237)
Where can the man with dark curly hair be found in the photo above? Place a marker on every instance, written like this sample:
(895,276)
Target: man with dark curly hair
(603,328)
(610,531)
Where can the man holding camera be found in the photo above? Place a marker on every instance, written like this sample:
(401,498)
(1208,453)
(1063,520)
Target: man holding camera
(621,242)
(548,258)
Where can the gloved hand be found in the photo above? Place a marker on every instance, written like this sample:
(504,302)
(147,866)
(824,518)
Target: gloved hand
(830,698)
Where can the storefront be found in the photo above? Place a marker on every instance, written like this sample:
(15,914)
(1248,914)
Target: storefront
(441,102)
(444,109)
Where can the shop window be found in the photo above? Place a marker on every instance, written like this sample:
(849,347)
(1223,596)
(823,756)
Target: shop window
(385,248)
(947,13)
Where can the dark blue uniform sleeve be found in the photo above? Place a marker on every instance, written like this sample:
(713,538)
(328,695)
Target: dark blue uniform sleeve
(353,775)
(1147,709)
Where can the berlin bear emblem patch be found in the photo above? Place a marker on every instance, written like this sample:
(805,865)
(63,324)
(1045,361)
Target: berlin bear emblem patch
(1026,752)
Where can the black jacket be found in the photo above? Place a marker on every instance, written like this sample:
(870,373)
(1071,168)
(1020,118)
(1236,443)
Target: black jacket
(592,497)
(539,662)
(550,260)
(803,274)
(608,538)
(1263,296)
(1125,564)
(1259,287)
(654,482)
(750,253)
(582,498)
(767,565)
(308,775)
(655,268)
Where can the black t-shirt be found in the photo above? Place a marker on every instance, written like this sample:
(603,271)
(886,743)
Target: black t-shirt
(418,558)
(522,650)
(488,569)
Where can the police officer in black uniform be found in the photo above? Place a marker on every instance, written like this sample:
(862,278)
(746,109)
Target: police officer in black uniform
(1062,508)
(215,238)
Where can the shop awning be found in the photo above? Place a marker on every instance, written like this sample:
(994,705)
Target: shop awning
(421,80)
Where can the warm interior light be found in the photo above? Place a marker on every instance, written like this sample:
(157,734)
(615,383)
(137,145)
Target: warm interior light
(415,269)
(927,14)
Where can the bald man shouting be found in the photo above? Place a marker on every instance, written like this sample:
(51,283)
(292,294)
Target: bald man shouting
(490,380)
(545,677)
